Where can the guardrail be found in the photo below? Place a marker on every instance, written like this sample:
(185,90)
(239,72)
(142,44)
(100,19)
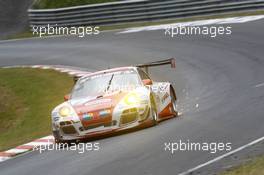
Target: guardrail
(136,11)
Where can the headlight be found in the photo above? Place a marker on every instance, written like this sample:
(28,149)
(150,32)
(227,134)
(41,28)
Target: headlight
(65,111)
(131,99)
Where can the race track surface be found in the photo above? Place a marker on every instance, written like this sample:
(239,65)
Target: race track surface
(216,80)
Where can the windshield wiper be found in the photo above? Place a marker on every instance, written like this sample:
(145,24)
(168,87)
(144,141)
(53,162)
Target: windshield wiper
(99,96)
(109,83)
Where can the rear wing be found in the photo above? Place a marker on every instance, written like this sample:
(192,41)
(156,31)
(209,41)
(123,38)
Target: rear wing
(170,61)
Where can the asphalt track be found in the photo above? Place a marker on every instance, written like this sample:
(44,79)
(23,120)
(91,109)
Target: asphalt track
(222,75)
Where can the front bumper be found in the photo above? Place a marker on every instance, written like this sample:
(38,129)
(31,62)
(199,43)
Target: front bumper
(129,118)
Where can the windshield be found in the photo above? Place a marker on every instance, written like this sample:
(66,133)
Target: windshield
(100,84)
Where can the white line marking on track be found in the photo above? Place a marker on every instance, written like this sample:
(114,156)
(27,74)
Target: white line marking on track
(45,67)
(4,158)
(223,156)
(16,151)
(259,85)
(231,20)
(38,143)
(48,137)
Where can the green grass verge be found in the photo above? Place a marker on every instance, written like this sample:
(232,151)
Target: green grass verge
(28,34)
(49,4)
(254,167)
(26,100)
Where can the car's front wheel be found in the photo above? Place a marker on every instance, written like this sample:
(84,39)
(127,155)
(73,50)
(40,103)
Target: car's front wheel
(58,139)
(173,102)
(153,109)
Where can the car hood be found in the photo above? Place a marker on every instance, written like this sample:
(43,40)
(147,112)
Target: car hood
(93,103)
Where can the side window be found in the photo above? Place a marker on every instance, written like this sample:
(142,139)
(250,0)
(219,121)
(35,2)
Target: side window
(142,74)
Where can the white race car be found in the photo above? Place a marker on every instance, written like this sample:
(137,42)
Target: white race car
(113,100)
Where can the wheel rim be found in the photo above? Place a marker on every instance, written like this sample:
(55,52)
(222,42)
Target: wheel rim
(173,102)
(154,115)
(153,111)
(174,105)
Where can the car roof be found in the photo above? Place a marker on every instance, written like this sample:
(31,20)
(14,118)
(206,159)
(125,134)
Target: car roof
(111,70)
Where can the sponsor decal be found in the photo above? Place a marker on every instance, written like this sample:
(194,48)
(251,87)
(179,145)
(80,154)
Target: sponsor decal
(88,116)
(160,88)
(99,102)
(165,97)
(104,113)
(163,87)
(56,119)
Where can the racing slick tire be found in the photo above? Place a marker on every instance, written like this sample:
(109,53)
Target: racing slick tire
(63,142)
(153,109)
(58,140)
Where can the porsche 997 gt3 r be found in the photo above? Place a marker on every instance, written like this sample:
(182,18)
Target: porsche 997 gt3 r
(113,100)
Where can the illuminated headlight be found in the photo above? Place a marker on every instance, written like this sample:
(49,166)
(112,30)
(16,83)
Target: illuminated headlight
(65,111)
(131,99)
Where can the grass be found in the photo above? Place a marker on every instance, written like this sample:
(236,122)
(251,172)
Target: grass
(25,34)
(27,97)
(28,34)
(254,167)
(48,4)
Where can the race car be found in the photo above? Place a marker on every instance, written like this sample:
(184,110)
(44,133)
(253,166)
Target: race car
(113,100)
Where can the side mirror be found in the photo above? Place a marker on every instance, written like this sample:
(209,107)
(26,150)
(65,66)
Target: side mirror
(147,82)
(66,97)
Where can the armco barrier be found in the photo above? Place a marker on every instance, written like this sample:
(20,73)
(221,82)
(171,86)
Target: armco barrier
(137,11)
